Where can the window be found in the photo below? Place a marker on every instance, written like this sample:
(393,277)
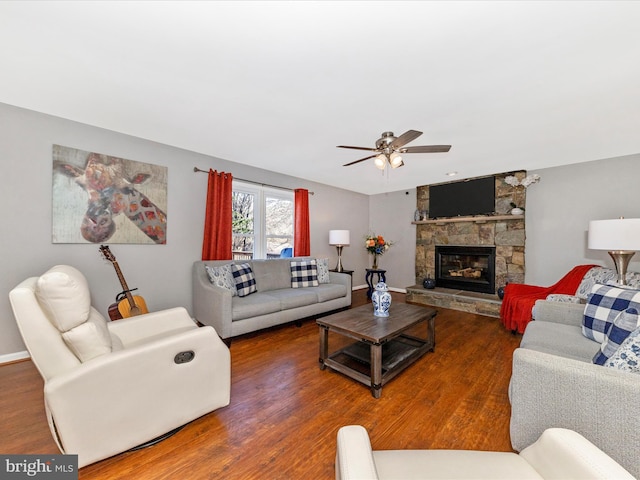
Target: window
(262,221)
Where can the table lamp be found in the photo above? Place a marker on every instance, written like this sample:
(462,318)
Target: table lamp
(620,237)
(339,238)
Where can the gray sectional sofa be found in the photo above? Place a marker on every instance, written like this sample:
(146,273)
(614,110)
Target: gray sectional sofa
(555,384)
(275,302)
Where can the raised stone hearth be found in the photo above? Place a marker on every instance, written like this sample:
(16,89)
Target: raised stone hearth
(472,302)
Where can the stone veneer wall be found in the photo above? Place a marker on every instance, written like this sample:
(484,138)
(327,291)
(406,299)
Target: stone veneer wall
(508,236)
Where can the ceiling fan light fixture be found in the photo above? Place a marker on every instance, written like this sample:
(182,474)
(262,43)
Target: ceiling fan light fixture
(395,160)
(389,148)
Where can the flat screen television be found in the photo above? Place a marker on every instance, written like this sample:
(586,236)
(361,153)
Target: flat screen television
(465,198)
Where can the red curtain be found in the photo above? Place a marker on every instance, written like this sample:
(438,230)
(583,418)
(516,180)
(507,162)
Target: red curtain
(216,244)
(301,235)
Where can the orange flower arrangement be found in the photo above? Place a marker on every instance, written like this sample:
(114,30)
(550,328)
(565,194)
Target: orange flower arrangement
(376,244)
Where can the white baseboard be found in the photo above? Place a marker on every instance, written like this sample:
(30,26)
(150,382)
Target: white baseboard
(12,357)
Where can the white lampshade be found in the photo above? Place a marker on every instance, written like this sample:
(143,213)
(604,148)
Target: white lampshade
(339,237)
(380,161)
(616,234)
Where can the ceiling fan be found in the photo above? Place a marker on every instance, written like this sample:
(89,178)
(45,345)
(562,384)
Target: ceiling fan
(389,147)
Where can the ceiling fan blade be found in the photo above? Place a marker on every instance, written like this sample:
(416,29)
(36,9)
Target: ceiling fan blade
(358,161)
(405,138)
(358,148)
(426,149)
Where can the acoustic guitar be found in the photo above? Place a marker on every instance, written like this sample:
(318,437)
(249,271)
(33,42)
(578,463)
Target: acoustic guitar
(126,305)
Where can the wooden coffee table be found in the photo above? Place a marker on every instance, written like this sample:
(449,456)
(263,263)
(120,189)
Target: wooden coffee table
(383,348)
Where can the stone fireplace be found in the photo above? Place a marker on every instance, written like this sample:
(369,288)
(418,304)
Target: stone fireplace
(466,268)
(503,233)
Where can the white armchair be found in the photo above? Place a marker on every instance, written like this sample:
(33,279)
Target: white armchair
(557,454)
(112,386)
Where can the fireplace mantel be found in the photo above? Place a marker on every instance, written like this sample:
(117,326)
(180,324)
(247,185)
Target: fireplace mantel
(476,219)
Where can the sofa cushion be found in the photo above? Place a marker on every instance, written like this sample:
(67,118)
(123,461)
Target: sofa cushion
(323,270)
(244,279)
(304,273)
(295,297)
(627,356)
(625,323)
(271,274)
(326,292)
(254,305)
(222,276)
(558,339)
(603,306)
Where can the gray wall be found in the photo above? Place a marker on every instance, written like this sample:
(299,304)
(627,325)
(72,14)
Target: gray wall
(391,215)
(560,207)
(161,272)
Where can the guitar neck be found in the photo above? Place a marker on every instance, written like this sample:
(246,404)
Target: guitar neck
(124,285)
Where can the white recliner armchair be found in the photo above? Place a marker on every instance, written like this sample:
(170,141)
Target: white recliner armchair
(558,454)
(112,386)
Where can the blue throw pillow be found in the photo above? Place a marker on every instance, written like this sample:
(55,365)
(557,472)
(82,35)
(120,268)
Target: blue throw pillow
(244,278)
(603,306)
(625,323)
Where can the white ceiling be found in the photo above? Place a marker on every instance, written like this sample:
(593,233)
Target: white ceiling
(510,85)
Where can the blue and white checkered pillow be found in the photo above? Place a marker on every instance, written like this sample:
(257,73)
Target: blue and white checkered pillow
(625,323)
(304,273)
(604,304)
(244,278)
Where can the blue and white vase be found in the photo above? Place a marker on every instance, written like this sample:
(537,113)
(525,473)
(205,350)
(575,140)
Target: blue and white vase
(381,300)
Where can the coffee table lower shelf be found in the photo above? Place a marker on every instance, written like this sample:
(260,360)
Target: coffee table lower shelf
(355,360)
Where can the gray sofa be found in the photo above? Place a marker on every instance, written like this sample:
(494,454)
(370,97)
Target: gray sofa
(555,384)
(274,303)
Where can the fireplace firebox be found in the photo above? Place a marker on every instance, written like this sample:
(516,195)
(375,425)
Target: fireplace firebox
(466,268)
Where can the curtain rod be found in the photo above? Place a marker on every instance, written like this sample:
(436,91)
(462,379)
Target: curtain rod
(196,169)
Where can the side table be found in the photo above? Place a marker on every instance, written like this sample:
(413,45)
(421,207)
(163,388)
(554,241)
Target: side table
(369,279)
(348,272)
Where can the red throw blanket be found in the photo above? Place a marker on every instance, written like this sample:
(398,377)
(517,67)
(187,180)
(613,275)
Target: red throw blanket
(519,298)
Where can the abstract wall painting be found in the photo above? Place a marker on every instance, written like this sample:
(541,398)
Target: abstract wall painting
(99,198)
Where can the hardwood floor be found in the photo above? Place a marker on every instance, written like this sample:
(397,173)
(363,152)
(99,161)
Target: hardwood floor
(285,412)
